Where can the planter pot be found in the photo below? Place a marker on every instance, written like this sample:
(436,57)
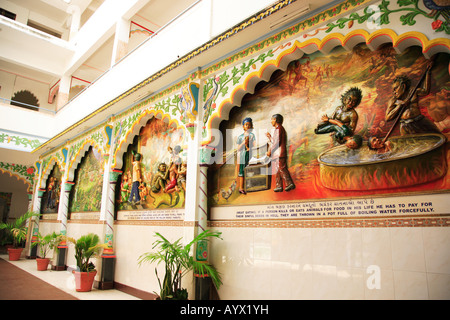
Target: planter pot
(14,253)
(42,263)
(84,280)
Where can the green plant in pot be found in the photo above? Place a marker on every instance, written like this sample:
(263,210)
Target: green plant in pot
(46,244)
(178,261)
(87,247)
(18,230)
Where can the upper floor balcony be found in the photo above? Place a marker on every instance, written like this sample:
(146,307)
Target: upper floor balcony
(93,56)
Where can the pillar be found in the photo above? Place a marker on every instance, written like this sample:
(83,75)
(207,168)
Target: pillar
(35,224)
(122,35)
(202,283)
(74,21)
(63,92)
(29,222)
(109,256)
(63,215)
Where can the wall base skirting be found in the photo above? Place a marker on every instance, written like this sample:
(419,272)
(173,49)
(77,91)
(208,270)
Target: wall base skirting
(435,221)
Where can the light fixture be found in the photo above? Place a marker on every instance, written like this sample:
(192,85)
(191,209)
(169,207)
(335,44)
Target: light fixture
(67,1)
(289,17)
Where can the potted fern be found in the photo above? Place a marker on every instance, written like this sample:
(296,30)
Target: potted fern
(178,261)
(18,231)
(46,243)
(86,248)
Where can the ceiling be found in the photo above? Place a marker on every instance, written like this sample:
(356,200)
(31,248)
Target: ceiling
(152,16)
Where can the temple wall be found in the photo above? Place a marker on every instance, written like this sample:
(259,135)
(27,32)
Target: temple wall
(347,231)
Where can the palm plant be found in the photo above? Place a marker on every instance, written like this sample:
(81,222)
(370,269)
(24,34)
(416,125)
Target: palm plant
(87,247)
(18,228)
(178,262)
(47,243)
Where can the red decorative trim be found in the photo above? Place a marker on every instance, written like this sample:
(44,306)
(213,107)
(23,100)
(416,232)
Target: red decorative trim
(395,222)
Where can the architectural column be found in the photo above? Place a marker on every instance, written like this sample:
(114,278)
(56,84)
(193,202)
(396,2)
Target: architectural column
(122,35)
(109,256)
(30,201)
(29,221)
(63,215)
(202,283)
(30,208)
(35,223)
(63,92)
(74,21)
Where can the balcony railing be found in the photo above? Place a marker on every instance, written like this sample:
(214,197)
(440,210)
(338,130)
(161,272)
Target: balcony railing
(25,105)
(155,34)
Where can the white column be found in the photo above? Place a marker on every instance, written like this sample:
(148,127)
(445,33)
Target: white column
(63,92)
(75,20)
(122,35)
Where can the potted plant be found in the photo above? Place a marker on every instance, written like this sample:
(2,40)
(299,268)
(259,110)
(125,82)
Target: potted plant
(18,231)
(86,247)
(6,241)
(178,261)
(46,243)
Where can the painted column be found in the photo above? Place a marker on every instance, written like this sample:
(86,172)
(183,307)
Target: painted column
(202,283)
(29,222)
(30,201)
(63,215)
(202,212)
(35,224)
(109,256)
(202,160)
(109,222)
(30,208)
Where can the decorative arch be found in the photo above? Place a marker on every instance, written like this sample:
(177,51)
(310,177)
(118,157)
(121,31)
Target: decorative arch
(20,172)
(78,155)
(53,92)
(262,70)
(47,167)
(141,121)
(25,99)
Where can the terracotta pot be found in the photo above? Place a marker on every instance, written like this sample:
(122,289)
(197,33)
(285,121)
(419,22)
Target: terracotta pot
(84,280)
(42,263)
(14,253)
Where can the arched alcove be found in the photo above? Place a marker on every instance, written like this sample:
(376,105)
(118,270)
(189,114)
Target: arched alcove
(75,159)
(128,136)
(25,99)
(295,49)
(47,170)
(19,188)
(303,95)
(86,194)
(156,152)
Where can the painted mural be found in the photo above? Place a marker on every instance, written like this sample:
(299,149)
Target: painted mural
(86,194)
(346,124)
(154,169)
(50,198)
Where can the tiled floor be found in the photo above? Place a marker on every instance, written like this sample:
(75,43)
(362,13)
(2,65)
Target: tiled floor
(61,280)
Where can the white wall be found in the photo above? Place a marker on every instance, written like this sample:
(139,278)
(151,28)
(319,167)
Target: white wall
(19,201)
(333,263)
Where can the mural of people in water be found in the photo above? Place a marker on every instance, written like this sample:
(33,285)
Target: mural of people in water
(332,105)
(154,169)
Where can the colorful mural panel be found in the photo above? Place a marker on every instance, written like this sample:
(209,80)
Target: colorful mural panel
(332,105)
(154,169)
(86,194)
(50,198)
